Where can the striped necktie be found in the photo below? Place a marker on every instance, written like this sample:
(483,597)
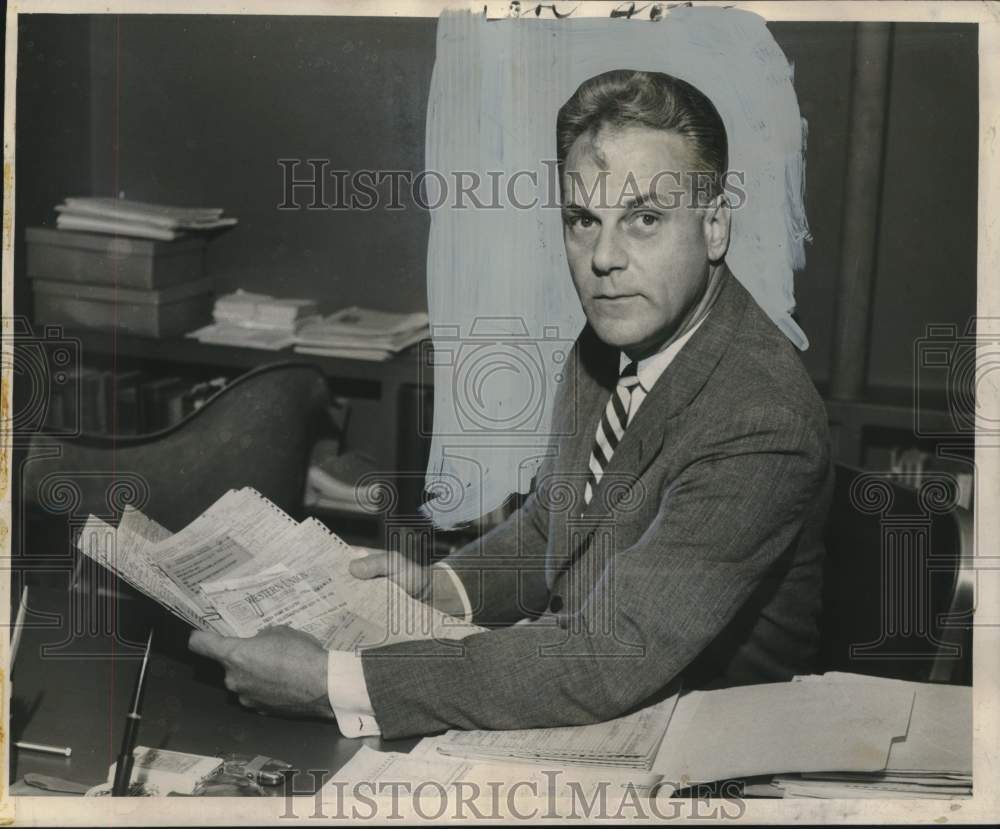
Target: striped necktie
(611,428)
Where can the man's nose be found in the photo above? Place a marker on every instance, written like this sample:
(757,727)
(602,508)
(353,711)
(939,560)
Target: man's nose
(609,254)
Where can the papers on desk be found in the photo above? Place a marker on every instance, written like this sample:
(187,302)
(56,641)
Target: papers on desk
(626,742)
(788,726)
(251,320)
(244,565)
(838,735)
(933,759)
(362,334)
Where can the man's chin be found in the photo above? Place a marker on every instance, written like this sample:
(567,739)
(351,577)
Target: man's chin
(616,336)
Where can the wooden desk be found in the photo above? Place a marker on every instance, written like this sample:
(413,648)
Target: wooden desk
(74,690)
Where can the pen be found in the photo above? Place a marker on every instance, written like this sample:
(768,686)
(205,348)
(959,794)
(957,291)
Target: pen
(123,771)
(65,751)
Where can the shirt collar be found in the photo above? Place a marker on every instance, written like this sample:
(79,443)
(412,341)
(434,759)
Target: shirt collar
(650,369)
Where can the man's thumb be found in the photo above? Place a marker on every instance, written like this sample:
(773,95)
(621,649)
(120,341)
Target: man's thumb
(370,566)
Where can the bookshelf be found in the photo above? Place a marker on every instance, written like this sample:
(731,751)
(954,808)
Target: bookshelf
(386,382)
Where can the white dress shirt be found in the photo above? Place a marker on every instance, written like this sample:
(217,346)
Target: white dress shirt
(345,679)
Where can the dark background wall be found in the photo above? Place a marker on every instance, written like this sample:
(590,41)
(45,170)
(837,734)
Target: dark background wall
(197,110)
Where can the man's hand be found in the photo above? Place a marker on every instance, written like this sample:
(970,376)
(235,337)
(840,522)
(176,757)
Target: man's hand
(414,579)
(280,670)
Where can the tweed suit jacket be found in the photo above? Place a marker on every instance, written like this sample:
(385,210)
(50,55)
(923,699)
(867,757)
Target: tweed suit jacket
(699,558)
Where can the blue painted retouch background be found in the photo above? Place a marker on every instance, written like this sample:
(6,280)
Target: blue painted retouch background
(502,305)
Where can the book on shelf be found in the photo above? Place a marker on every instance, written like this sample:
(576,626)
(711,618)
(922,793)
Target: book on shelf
(125,263)
(131,402)
(160,312)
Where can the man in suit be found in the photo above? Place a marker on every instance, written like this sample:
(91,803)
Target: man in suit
(674,534)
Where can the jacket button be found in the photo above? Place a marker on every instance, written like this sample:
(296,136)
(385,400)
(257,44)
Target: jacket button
(555,604)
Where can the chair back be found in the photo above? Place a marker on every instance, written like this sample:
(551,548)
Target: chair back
(897,599)
(257,432)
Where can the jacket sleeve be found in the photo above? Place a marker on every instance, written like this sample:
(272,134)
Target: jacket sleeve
(503,572)
(720,525)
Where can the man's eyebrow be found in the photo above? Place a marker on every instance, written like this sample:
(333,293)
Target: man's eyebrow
(640,201)
(574,207)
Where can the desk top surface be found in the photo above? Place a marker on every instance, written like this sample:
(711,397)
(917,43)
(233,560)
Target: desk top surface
(72,684)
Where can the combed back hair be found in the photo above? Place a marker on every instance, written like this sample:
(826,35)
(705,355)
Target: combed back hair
(626,97)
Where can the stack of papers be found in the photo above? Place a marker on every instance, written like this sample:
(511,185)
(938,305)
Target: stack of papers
(629,742)
(139,219)
(254,320)
(933,760)
(837,735)
(244,565)
(362,334)
(752,730)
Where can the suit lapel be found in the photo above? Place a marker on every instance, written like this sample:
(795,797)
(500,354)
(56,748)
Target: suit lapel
(676,388)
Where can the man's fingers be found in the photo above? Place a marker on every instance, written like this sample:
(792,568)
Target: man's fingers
(211,645)
(370,566)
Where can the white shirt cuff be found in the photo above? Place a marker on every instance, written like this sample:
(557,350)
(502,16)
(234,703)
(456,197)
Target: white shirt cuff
(462,595)
(345,685)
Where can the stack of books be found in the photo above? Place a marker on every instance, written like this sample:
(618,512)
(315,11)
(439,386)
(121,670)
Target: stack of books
(102,281)
(137,219)
(362,334)
(256,320)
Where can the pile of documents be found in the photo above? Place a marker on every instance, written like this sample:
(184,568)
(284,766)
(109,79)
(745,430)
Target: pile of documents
(244,565)
(629,742)
(933,761)
(836,735)
(139,219)
(362,334)
(254,320)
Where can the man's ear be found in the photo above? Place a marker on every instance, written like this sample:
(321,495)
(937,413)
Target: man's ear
(715,225)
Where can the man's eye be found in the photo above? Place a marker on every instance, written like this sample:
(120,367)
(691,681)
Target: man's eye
(648,219)
(580,221)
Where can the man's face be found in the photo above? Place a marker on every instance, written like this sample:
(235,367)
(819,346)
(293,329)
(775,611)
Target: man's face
(639,264)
